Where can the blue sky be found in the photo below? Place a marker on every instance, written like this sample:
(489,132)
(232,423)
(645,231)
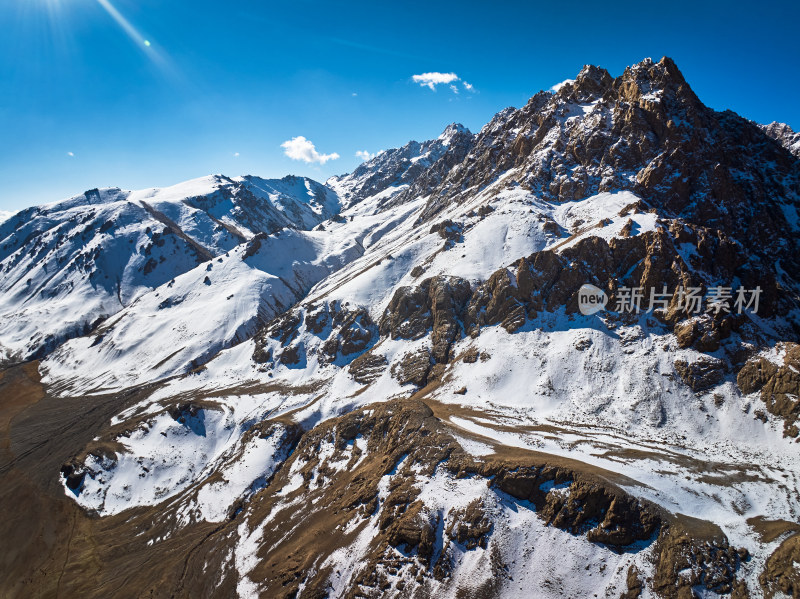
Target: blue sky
(84,102)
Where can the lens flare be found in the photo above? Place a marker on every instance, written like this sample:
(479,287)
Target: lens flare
(146,45)
(123,22)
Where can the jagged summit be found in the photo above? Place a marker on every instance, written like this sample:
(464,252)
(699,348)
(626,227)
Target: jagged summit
(392,171)
(451,131)
(644,131)
(785,135)
(641,79)
(591,82)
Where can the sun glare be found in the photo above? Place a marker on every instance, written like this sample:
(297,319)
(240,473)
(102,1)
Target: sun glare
(135,36)
(122,22)
(56,8)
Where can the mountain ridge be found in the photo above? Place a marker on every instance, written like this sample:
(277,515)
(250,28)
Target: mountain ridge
(403,397)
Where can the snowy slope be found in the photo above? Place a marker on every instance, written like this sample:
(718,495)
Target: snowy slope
(183,323)
(221,302)
(66,266)
(590,389)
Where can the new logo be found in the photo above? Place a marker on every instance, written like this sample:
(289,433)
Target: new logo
(591,299)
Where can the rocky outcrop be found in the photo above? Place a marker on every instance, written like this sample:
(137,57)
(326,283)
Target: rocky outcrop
(436,305)
(367,367)
(784,135)
(691,553)
(424,162)
(702,373)
(780,574)
(779,385)
(470,526)
(253,246)
(414,542)
(450,231)
(549,280)
(446,308)
(347,332)
(413,368)
(353,333)
(586,507)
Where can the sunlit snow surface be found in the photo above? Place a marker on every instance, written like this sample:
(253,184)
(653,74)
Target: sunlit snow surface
(571,386)
(66,266)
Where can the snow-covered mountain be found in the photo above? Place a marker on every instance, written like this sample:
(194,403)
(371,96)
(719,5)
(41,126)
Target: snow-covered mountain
(65,267)
(385,386)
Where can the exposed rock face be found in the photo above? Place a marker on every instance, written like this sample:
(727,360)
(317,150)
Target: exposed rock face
(347,333)
(755,374)
(780,572)
(779,385)
(254,245)
(446,308)
(354,332)
(470,526)
(414,368)
(436,305)
(449,231)
(701,374)
(685,561)
(367,367)
(604,515)
(783,134)
(548,280)
(645,131)
(427,161)
(404,441)
(634,583)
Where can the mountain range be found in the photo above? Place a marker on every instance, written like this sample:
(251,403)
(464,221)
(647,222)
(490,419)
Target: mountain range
(387,385)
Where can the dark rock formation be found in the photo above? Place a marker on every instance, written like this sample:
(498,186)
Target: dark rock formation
(779,385)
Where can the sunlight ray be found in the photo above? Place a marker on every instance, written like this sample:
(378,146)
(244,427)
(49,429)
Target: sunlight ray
(123,22)
(143,43)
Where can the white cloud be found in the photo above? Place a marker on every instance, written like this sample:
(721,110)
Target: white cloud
(70,154)
(4,215)
(558,86)
(299,148)
(468,86)
(454,88)
(364,155)
(236,154)
(431,80)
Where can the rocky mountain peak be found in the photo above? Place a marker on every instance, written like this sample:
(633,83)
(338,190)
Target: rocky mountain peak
(591,83)
(651,80)
(785,135)
(645,131)
(392,171)
(451,131)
